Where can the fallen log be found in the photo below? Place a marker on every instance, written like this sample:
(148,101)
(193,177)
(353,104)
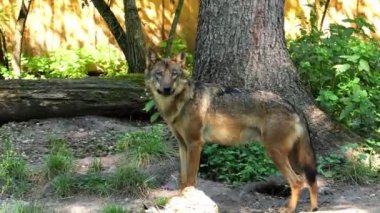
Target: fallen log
(28,99)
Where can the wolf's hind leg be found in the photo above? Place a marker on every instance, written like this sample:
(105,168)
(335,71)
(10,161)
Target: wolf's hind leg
(280,159)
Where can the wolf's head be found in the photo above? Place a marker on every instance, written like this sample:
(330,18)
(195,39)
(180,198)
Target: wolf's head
(165,76)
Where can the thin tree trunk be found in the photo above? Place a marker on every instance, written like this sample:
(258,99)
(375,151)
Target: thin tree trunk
(113,25)
(326,7)
(163,36)
(242,44)
(31,99)
(19,35)
(135,37)
(131,42)
(3,51)
(173,28)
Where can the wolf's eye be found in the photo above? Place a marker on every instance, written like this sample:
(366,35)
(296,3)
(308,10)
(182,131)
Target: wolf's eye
(175,73)
(158,75)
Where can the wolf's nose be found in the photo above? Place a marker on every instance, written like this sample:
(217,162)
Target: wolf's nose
(167,90)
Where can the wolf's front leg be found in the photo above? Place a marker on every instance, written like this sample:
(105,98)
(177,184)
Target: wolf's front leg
(195,148)
(183,156)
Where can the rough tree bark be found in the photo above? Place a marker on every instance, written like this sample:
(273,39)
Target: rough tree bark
(19,35)
(27,99)
(135,37)
(242,44)
(131,41)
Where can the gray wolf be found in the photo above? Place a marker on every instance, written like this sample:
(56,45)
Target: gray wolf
(197,113)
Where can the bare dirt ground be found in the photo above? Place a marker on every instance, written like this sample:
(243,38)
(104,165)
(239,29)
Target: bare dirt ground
(92,136)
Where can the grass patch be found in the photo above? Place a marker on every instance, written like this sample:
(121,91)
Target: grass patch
(22,208)
(60,159)
(13,171)
(95,183)
(114,208)
(132,180)
(95,166)
(128,179)
(145,147)
(161,202)
(63,185)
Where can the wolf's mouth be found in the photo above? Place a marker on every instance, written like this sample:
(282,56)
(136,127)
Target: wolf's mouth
(165,93)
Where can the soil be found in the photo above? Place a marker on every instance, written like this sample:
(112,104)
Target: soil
(93,136)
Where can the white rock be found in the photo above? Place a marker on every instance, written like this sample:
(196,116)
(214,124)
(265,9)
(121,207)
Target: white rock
(191,200)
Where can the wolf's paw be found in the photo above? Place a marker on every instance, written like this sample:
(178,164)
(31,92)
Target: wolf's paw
(285,210)
(314,209)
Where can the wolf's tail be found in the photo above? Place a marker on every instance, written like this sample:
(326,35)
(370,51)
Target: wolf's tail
(306,159)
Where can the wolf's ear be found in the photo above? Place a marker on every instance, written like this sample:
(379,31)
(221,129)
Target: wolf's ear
(180,59)
(151,58)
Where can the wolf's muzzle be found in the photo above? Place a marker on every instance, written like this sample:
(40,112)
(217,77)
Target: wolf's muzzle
(166,91)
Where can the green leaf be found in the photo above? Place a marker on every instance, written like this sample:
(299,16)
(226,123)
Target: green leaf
(328,174)
(154,117)
(362,156)
(148,106)
(330,95)
(352,58)
(363,65)
(346,111)
(341,68)
(162,44)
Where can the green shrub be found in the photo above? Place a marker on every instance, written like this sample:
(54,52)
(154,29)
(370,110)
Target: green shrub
(357,168)
(234,165)
(72,63)
(150,107)
(342,69)
(110,61)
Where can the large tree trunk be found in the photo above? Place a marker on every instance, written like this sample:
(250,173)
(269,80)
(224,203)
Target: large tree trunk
(19,35)
(27,99)
(242,44)
(131,42)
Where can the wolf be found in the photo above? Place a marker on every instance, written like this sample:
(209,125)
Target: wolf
(197,113)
